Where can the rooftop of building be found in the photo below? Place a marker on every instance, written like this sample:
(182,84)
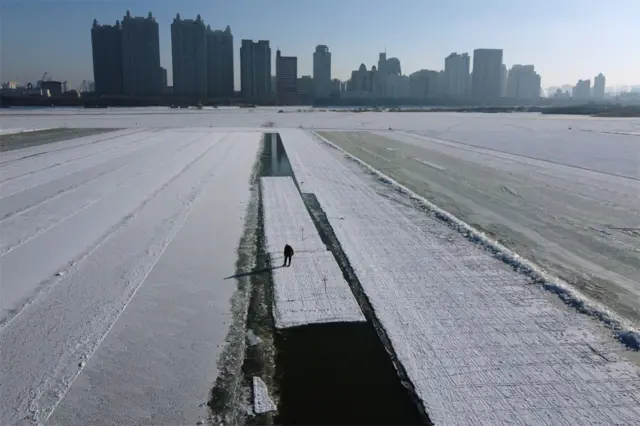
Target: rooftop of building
(198,20)
(227,30)
(96,24)
(286,58)
(128,16)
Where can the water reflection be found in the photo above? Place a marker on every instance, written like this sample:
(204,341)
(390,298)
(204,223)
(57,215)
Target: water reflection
(280,165)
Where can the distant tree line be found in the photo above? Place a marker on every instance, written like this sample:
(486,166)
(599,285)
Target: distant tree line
(405,105)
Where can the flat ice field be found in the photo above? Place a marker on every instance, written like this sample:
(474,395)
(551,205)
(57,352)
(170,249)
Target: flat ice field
(539,200)
(115,248)
(480,342)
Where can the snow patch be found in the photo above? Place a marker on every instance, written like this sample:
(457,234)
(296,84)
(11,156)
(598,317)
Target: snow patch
(253,339)
(511,191)
(625,332)
(262,402)
(312,290)
(13,131)
(432,165)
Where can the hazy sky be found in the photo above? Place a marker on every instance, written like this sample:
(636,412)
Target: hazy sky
(565,39)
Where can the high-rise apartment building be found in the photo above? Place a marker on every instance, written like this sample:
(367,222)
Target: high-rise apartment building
(220,81)
(163,77)
(287,79)
(504,76)
(255,70)
(598,86)
(306,89)
(337,86)
(106,45)
(140,56)
(523,83)
(393,67)
(582,90)
(189,57)
(419,82)
(386,67)
(381,75)
(322,71)
(398,86)
(363,80)
(487,68)
(456,68)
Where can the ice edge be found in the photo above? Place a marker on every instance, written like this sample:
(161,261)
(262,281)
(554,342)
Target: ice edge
(624,331)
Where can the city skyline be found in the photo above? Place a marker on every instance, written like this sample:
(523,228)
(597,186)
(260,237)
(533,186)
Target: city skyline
(420,52)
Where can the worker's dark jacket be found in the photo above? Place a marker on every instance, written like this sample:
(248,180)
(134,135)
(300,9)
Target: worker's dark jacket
(288,251)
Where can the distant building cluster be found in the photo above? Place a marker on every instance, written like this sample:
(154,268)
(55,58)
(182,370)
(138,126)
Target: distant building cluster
(44,88)
(487,82)
(126,62)
(584,91)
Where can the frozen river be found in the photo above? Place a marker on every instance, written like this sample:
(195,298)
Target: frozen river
(115,245)
(113,255)
(480,342)
(580,224)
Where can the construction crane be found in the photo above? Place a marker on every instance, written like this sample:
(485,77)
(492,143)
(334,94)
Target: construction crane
(42,80)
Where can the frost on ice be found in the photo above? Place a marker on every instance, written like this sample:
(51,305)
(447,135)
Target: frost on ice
(312,290)
(127,219)
(106,254)
(469,332)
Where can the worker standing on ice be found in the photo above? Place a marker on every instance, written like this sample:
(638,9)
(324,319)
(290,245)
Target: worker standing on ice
(288,254)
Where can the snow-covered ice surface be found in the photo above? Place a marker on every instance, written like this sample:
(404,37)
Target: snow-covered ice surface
(44,238)
(480,343)
(589,149)
(286,219)
(293,117)
(154,230)
(46,150)
(578,224)
(312,290)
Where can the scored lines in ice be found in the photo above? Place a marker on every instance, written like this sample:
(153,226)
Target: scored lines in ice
(31,197)
(448,303)
(313,290)
(432,165)
(48,172)
(88,227)
(20,228)
(371,153)
(172,225)
(45,151)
